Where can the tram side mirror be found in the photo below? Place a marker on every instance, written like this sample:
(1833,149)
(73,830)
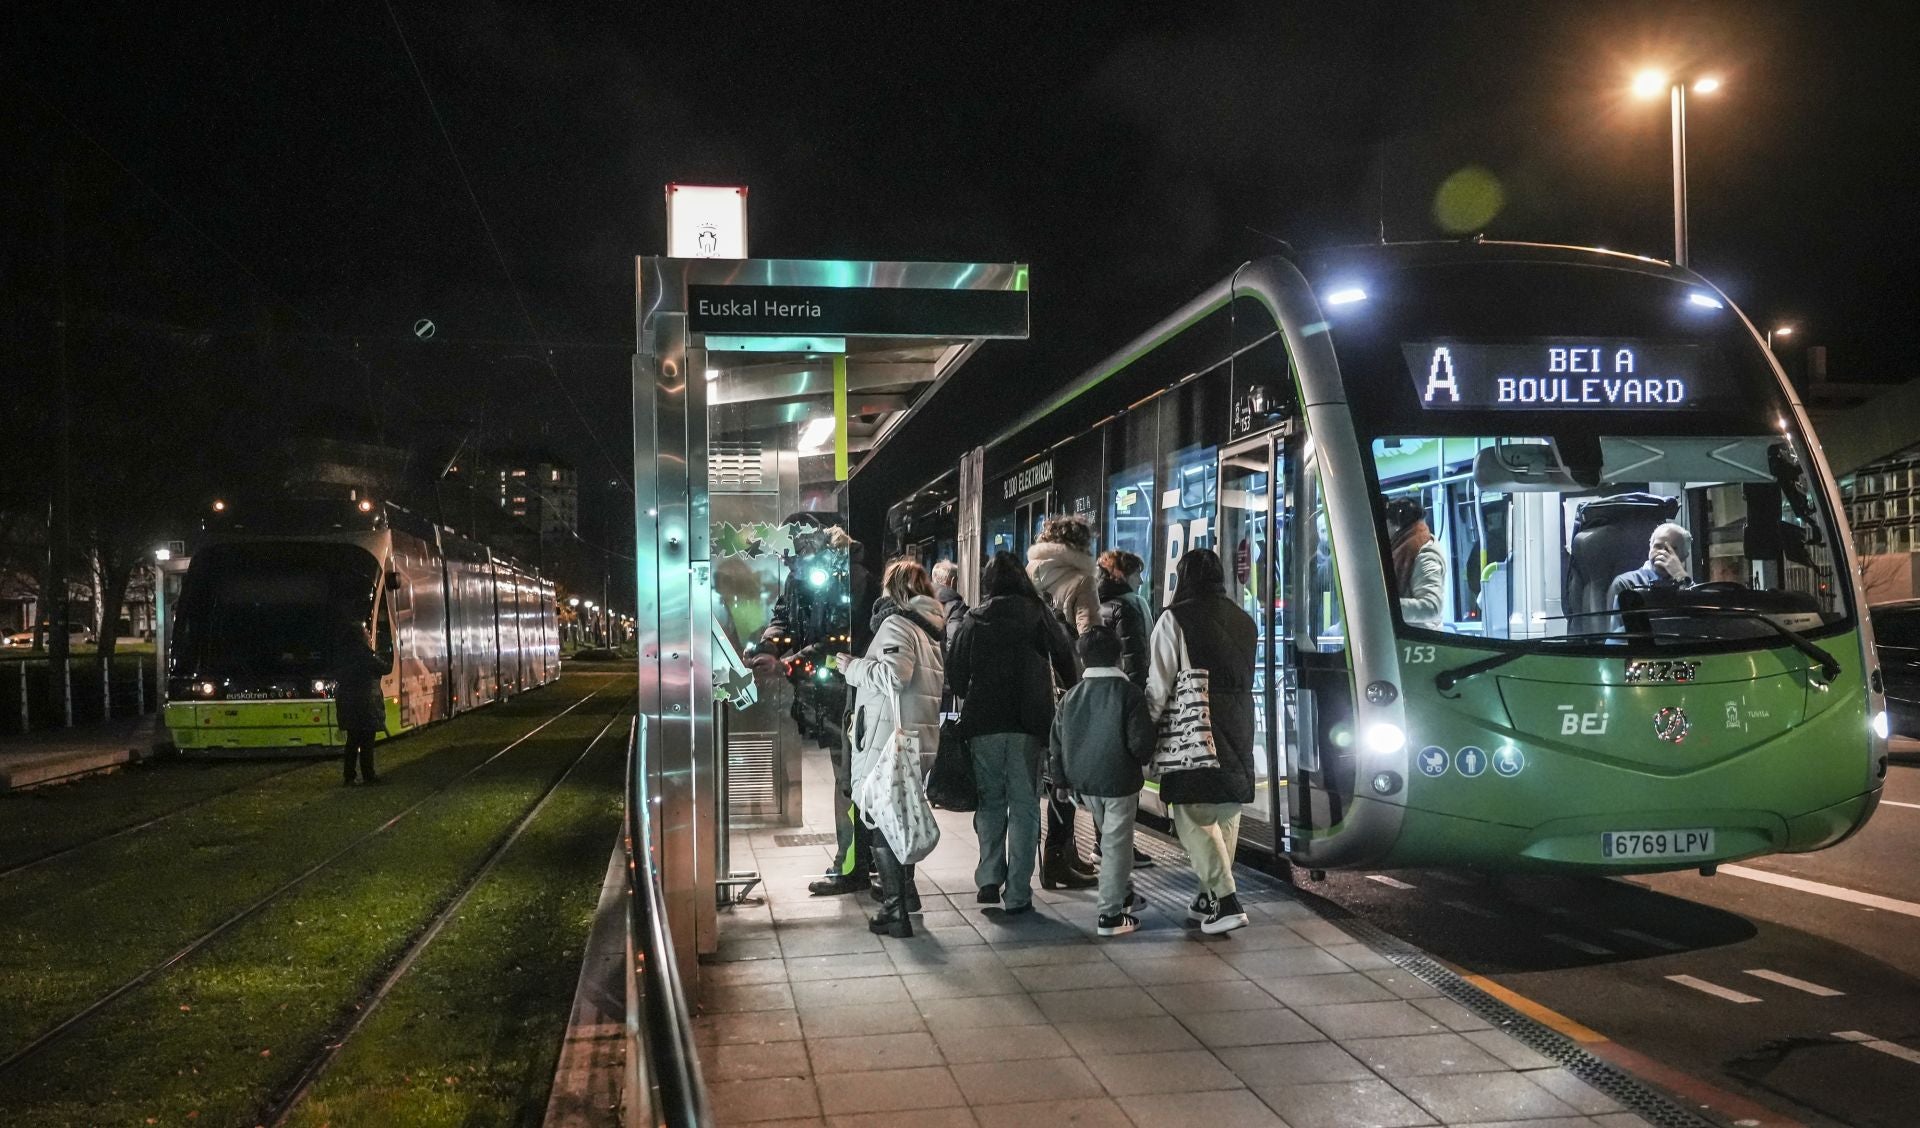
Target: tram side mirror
(1521,468)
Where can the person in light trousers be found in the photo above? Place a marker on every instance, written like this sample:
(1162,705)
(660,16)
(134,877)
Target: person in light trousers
(1215,635)
(1102,738)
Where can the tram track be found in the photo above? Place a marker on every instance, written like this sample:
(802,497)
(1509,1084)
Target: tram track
(363,1007)
(12,868)
(77,1019)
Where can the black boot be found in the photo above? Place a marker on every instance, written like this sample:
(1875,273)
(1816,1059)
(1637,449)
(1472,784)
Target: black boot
(912,893)
(892,918)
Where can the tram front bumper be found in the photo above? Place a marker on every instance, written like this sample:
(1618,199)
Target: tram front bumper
(251,725)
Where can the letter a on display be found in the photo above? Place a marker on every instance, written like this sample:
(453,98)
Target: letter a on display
(1440,376)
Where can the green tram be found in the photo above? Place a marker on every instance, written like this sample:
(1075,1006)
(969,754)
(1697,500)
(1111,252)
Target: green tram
(264,601)
(1550,409)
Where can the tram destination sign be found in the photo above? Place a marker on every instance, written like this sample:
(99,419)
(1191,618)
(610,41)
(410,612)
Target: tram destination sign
(1564,374)
(856,311)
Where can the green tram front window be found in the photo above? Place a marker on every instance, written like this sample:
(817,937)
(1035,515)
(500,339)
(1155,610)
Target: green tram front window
(1497,537)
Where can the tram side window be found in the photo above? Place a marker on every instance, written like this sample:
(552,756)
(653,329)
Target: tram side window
(1130,495)
(1322,626)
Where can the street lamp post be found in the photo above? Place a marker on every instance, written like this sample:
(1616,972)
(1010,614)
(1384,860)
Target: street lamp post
(1648,84)
(160,558)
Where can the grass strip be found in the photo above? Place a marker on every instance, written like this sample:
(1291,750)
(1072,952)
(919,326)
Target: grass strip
(213,1039)
(471,1034)
(74,931)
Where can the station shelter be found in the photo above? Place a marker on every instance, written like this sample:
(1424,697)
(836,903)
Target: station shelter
(759,386)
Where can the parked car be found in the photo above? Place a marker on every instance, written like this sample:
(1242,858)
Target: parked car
(1896,631)
(78,634)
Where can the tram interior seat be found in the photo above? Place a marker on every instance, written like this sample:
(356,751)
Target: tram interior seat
(1610,536)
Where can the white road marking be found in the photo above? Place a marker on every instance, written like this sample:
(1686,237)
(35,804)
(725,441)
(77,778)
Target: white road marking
(1821,889)
(1891,803)
(1579,945)
(1648,938)
(1389,882)
(1714,989)
(1892,1049)
(1796,984)
(1472,909)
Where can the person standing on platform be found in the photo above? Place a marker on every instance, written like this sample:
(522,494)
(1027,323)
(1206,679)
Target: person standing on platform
(1060,563)
(946,575)
(1001,666)
(359,708)
(1102,738)
(898,681)
(1124,611)
(1207,629)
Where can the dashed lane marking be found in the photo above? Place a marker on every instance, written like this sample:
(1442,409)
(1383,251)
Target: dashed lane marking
(1472,909)
(1796,984)
(1892,1049)
(1822,889)
(1714,989)
(1648,938)
(1391,883)
(1892,803)
(1578,945)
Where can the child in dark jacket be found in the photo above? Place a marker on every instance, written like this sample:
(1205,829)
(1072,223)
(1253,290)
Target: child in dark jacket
(1102,737)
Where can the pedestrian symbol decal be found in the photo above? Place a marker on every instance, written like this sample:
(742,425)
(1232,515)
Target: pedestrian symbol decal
(1433,762)
(1509,762)
(1470,761)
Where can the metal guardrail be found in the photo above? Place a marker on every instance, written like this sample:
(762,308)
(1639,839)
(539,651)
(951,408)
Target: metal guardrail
(664,1088)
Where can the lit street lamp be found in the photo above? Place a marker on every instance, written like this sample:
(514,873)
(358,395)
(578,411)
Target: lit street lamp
(1649,84)
(1778,331)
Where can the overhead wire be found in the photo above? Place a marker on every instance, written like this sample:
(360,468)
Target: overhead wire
(499,256)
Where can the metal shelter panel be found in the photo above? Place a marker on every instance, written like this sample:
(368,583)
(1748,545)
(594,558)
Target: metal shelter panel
(744,353)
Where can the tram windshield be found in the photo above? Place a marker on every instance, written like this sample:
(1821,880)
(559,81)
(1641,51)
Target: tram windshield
(270,610)
(1584,456)
(1675,536)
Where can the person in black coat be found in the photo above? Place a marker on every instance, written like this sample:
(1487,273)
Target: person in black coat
(1204,629)
(1124,610)
(1001,665)
(359,708)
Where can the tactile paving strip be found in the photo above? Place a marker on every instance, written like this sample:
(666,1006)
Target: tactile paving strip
(1171,881)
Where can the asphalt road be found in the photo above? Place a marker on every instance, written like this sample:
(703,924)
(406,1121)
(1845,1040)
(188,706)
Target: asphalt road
(1802,998)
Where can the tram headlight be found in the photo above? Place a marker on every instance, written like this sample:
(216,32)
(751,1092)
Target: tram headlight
(322,686)
(1385,737)
(204,689)
(1881,727)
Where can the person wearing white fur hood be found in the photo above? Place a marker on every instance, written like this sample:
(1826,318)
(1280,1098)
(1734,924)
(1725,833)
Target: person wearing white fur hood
(904,665)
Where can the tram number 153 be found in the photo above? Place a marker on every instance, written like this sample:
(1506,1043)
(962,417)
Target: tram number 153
(1416,655)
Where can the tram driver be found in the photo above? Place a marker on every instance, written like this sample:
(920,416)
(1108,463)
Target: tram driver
(1419,564)
(1668,550)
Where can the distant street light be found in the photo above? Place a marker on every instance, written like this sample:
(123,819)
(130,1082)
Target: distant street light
(1778,331)
(219,506)
(1648,84)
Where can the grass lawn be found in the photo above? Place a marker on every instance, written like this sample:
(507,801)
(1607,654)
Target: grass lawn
(470,1035)
(214,1038)
(82,924)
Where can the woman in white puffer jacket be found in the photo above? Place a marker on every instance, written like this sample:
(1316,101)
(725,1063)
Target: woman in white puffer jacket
(903,664)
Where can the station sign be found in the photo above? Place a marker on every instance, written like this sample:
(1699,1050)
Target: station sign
(1565,374)
(856,311)
(1027,479)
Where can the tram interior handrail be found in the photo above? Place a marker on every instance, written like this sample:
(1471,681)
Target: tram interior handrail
(664,1087)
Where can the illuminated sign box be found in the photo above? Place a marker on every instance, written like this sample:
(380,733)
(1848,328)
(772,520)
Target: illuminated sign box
(856,312)
(706,222)
(1565,374)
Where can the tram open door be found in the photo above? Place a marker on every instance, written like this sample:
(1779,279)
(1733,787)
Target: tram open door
(1275,545)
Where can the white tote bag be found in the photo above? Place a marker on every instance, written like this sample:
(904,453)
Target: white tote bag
(892,799)
(1184,741)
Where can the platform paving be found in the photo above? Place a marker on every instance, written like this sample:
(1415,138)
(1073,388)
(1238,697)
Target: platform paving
(807,1018)
(54,756)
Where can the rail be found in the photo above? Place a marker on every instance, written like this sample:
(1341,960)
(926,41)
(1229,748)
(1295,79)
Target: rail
(664,1089)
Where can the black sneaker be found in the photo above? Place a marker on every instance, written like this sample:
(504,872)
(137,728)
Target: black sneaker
(1201,908)
(837,885)
(988,895)
(1142,859)
(1135,902)
(1226,916)
(1118,925)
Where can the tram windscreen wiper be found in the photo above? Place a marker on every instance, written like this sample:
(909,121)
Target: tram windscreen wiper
(1447,679)
(1829,665)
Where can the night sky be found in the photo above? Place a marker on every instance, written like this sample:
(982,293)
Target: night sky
(234,167)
